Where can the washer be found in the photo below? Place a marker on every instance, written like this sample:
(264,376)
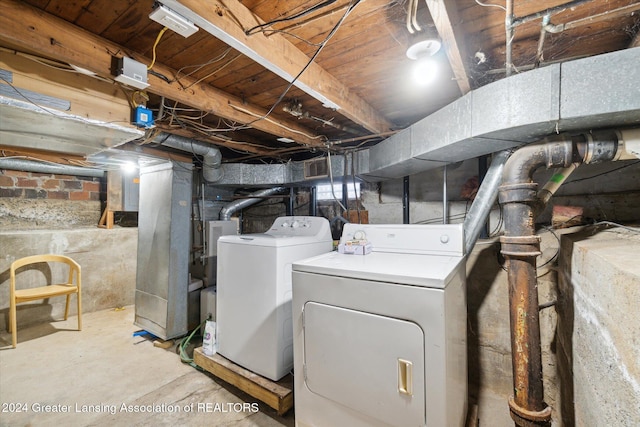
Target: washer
(253,307)
(380,339)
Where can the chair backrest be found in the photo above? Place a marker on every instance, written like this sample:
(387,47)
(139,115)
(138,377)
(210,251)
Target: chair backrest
(74,267)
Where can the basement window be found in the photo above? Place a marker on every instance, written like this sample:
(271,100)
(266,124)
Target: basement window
(323,191)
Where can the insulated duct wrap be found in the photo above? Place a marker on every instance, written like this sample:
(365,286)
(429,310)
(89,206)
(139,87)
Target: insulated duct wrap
(33,166)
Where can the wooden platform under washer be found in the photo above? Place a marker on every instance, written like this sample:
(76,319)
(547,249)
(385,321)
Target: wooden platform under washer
(278,395)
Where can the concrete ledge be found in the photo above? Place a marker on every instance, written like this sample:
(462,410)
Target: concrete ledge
(599,328)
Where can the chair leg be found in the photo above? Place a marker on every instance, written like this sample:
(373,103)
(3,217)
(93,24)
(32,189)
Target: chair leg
(66,307)
(13,327)
(79,311)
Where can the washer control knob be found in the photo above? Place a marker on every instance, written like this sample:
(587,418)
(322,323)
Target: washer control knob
(285,224)
(444,238)
(295,224)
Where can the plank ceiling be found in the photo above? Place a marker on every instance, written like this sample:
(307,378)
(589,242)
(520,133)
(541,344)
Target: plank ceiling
(204,88)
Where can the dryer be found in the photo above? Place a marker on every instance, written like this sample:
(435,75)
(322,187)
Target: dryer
(253,307)
(380,339)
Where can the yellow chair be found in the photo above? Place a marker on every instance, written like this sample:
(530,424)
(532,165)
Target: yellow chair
(23,295)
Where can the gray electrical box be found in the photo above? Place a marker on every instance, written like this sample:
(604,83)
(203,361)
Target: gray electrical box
(131,72)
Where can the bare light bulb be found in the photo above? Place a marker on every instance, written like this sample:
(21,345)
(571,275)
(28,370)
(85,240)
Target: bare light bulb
(129,167)
(425,71)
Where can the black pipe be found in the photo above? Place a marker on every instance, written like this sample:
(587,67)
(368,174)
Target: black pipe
(313,201)
(405,200)
(482,172)
(290,202)
(345,197)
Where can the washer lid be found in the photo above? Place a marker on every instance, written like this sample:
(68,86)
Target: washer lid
(411,269)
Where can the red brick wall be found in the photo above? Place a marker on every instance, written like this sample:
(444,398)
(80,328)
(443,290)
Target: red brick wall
(32,185)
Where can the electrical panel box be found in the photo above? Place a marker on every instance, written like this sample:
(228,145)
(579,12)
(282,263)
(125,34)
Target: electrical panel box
(215,229)
(131,72)
(123,191)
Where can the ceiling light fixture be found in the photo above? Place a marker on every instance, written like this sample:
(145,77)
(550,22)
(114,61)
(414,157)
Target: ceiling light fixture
(425,70)
(285,140)
(129,167)
(172,20)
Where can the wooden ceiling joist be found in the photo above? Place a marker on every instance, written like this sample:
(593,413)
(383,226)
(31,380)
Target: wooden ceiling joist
(240,146)
(227,20)
(445,15)
(55,38)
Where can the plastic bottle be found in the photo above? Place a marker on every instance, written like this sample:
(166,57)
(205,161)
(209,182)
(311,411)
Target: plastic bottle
(209,346)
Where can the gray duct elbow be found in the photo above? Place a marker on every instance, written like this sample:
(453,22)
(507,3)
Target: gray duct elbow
(212,158)
(212,165)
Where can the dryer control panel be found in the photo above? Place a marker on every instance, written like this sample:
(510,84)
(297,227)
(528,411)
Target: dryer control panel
(445,239)
(300,226)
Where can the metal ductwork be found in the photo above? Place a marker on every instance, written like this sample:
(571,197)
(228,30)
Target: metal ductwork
(521,202)
(484,200)
(212,158)
(227,211)
(524,108)
(33,166)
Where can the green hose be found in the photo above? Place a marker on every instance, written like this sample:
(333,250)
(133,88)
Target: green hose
(184,357)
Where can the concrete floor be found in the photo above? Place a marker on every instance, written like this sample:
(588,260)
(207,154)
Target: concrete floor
(102,375)
(91,374)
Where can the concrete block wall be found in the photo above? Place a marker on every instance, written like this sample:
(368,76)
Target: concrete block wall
(598,334)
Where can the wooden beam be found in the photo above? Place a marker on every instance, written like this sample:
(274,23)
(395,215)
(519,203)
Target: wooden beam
(49,156)
(34,30)
(249,148)
(228,20)
(445,18)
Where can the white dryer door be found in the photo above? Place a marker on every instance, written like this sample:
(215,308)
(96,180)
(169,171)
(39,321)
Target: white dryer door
(369,363)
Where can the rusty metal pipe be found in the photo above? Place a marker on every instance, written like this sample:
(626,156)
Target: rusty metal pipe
(518,196)
(521,247)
